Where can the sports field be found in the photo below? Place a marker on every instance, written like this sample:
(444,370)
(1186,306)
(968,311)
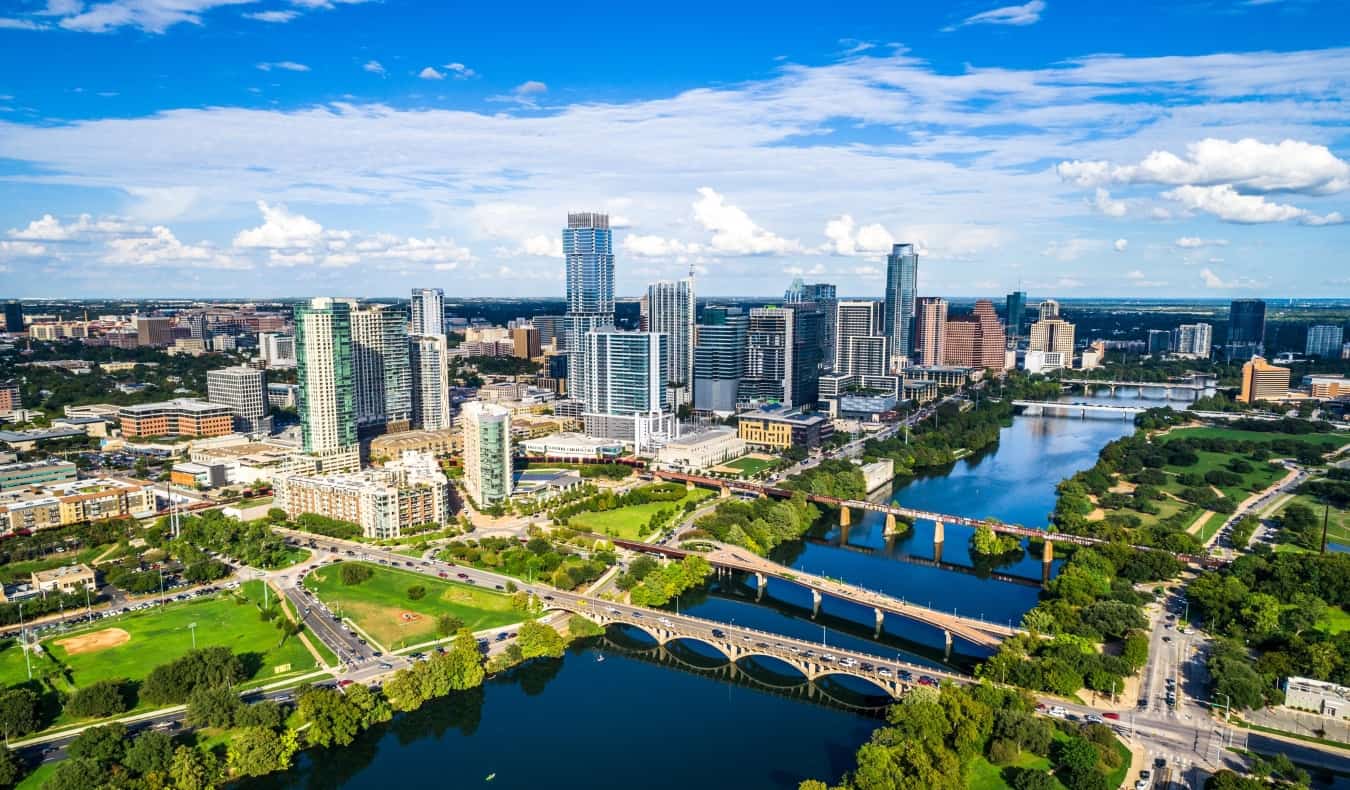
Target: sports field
(130,645)
(380,605)
(749,465)
(631,522)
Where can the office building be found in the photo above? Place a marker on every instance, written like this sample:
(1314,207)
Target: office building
(626,396)
(1052,333)
(73,502)
(977,340)
(11,399)
(487,452)
(703,449)
(825,296)
(1319,385)
(525,341)
(1015,305)
(930,327)
(1263,381)
(1159,342)
(382,389)
(1246,329)
(13,317)
(428,312)
(1048,310)
(860,338)
(244,390)
(65,580)
(1324,340)
(719,359)
(588,247)
(1037,361)
(552,331)
(782,359)
(902,279)
(154,331)
(779,428)
(31,473)
(384,501)
(1193,340)
(671,311)
(327,394)
(180,417)
(277,350)
(430,382)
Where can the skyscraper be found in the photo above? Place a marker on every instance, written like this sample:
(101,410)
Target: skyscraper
(327,398)
(977,340)
(430,382)
(552,329)
(1159,341)
(1262,380)
(860,345)
(1193,340)
(428,312)
(930,327)
(671,311)
(14,316)
(1324,340)
(825,296)
(1016,307)
(1049,310)
(525,340)
(719,359)
(626,395)
(588,247)
(902,279)
(154,331)
(1053,333)
(487,451)
(1246,329)
(244,390)
(782,361)
(382,375)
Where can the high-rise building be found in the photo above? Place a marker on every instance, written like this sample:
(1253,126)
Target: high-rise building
(860,341)
(1048,310)
(719,359)
(154,331)
(1263,381)
(552,330)
(1246,329)
(826,297)
(487,451)
(430,382)
(1052,333)
(977,340)
(428,312)
(588,247)
(671,311)
(902,280)
(782,360)
(383,377)
(277,350)
(526,342)
(14,316)
(930,327)
(244,390)
(327,402)
(1159,342)
(1324,340)
(1016,308)
(1193,340)
(626,395)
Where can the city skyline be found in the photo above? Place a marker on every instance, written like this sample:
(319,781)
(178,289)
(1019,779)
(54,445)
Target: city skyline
(1000,140)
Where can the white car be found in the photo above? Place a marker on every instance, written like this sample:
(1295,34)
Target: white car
(1058,712)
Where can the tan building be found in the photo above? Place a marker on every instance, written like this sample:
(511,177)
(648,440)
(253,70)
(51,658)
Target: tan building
(526,339)
(930,324)
(1326,385)
(180,417)
(782,428)
(66,579)
(446,441)
(977,340)
(73,502)
(10,399)
(384,501)
(1052,334)
(154,331)
(1263,381)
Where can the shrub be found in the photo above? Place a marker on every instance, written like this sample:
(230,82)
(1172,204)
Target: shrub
(417,592)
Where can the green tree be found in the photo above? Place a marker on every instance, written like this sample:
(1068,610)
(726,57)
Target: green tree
(447,624)
(354,573)
(97,700)
(1135,650)
(212,707)
(104,744)
(1032,779)
(417,592)
(263,713)
(257,751)
(11,770)
(18,711)
(77,773)
(536,639)
(333,720)
(193,769)
(151,752)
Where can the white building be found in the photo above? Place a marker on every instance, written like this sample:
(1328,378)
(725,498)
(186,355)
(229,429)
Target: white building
(1042,361)
(487,451)
(1194,340)
(671,311)
(277,350)
(626,396)
(244,390)
(575,447)
(428,312)
(431,381)
(702,450)
(1327,699)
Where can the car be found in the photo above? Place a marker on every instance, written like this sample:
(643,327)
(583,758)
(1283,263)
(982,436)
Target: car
(1145,774)
(344,683)
(548,597)
(925,680)
(719,633)
(884,672)
(1142,784)
(1093,718)
(1160,763)
(462,575)
(443,575)
(498,587)
(1057,712)
(1111,715)
(501,637)
(1167,639)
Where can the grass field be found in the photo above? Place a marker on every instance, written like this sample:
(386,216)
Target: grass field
(159,635)
(631,522)
(750,466)
(23,571)
(380,605)
(1327,441)
(984,775)
(1338,521)
(1212,524)
(1335,620)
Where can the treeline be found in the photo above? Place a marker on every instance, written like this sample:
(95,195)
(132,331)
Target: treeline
(1268,608)
(539,558)
(254,543)
(608,500)
(758,525)
(43,543)
(932,739)
(657,586)
(836,478)
(319,525)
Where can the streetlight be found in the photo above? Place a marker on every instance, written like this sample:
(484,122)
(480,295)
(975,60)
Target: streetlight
(23,643)
(193,628)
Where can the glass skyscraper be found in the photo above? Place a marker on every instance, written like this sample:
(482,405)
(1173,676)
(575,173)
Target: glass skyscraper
(826,297)
(428,312)
(670,310)
(1016,308)
(1246,329)
(719,359)
(902,280)
(1324,340)
(588,247)
(327,398)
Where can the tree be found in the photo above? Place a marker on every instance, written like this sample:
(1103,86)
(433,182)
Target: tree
(193,769)
(1032,779)
(151,752)
(101,744)
(264,713)
(332,719)
(447,624)
(1135,650)
(171,683)
(212,707)
(18,711)
(417,592)
(257,751)
(11,770)
(77,774)
(536,639)
(97,700)
(354,573)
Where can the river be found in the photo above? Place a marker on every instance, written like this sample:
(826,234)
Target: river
(644,717)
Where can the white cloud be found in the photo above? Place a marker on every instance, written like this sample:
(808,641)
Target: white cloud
(10,23)
(460,71)
(161,247)
(733,232)
(374,67)
(656,246)
(49,228)
(525,94)
(1211,279)
(1195,242)
(1018,15)
(21,249)
(1120,245)
(280,230)
(275,17)
(543,246)
(1227,204)
(1103,202)
(429,73)
(284,65)
(870,239)
(1072,249)
(1249,165)
(157,16)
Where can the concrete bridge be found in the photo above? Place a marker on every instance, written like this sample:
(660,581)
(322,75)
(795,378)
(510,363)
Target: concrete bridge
(1082,410)
(733,558)
(1168,387)
(736,643)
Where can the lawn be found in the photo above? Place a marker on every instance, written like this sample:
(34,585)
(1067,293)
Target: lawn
(1335,620)
(984,775)
(1338,521)
(1260,477)
(140,641)
(1328,441)
(380,606)
(631,522)
(1213,523)
(751,465)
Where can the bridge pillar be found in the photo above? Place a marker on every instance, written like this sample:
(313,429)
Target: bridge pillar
(725,493)
(815,603)
(1048,552)
(689,485)
(881,617)
(762,495)
(845,519)
(947,649)
(761,580)
(939,532)
(890,524)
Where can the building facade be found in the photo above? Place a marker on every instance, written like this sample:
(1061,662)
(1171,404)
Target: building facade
(902,280)
(825,297)
(1263,381)
(1193,340)
(1015,307)
(977,340)
(1052,334)
(780,428)
(1324,340)
(525,340)
(860,345)
(626,396)
(427,312)
(277,350)
(1246,329)
(719,359)
(62,504)
(384,501)
(430,382)
(487,452)
(588,249)
(930,330)
(327,392)
(154,331)
(244,390)
(671,311)
(382,389)
(180,417)
(703,449)
(782,362)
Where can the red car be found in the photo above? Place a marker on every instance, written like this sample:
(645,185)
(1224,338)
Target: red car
(1115,716)
(342,684)
(443,575)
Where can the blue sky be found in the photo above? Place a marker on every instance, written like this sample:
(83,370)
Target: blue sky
(291,147)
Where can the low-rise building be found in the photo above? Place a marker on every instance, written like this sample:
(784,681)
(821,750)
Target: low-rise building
(445,441)
(1318,696)
(179,417)
(1327,385)
(943,375)
(73,502)
(66,579)
(919,391)
(575,447)
(702,450)
(49,470)
(192,475)
(384,501)
(245,461)
(1037,361)
(780,427)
